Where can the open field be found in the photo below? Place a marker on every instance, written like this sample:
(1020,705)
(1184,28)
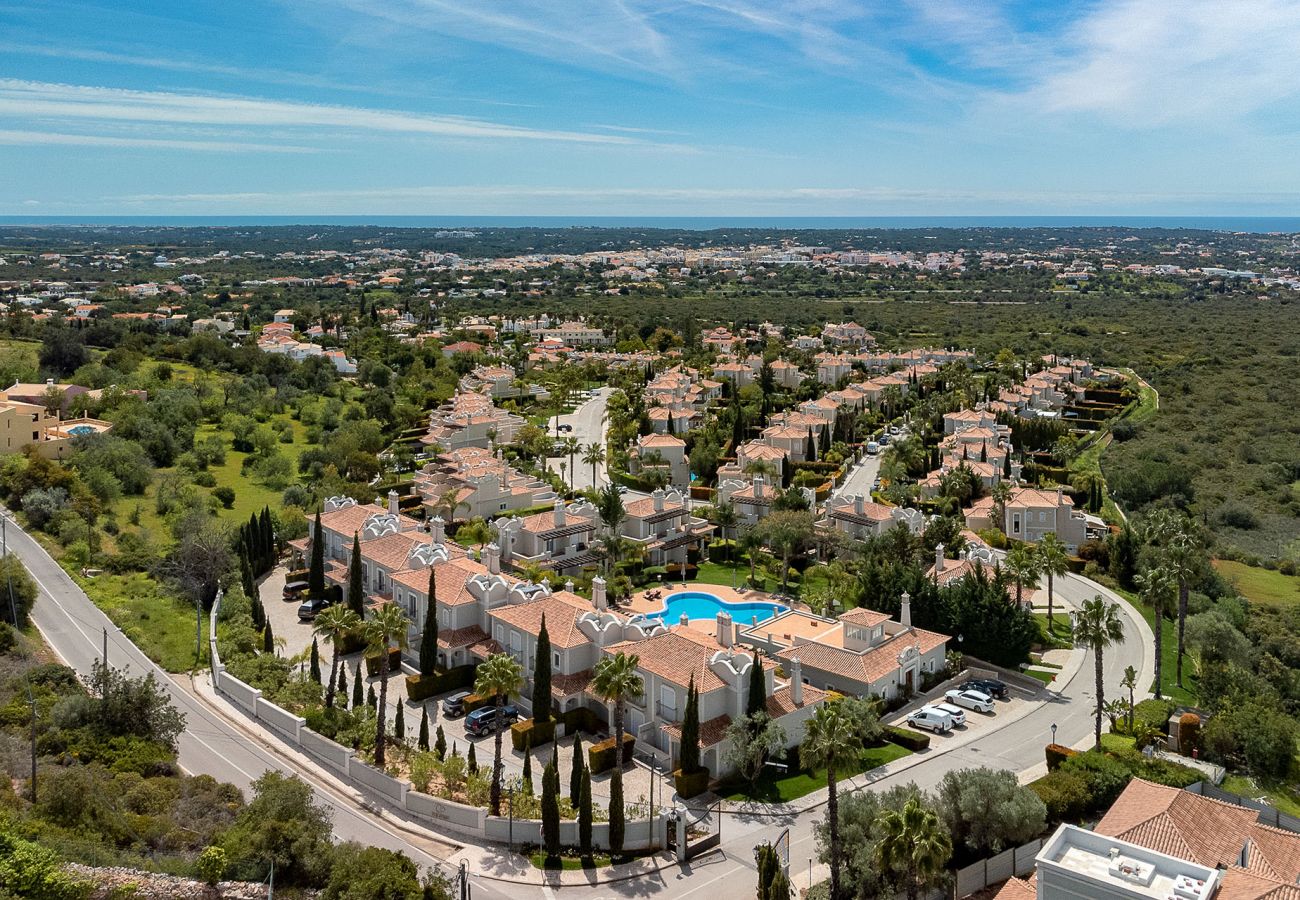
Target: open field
(1260,585)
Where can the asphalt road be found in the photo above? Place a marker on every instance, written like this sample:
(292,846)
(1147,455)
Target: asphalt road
(74,628)
(588,422)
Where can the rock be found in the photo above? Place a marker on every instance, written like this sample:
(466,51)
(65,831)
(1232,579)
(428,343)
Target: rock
(114,882)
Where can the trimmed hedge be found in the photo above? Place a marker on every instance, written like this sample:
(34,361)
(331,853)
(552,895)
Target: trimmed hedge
(600,757)
(691,785)
(394,663)
(906,737)
(474,701)
(580,719)
(527,734)
(422,687)
(1154,713)
(1057,754)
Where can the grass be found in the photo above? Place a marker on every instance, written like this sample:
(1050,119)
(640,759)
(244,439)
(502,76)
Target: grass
(1260,585)
(161,625)
(1044,677)
(1279,796)
(1168,655)
(1058,636)
(1112,742)
(573,863)
(781,787)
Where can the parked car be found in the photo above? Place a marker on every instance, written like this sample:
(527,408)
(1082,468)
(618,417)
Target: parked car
(957,713)
(893,430)
(622,488)
(990,686)
(294,589)
(976,700)
(873,447)
(931,719)
(488,719)
(311,608)
(453,707)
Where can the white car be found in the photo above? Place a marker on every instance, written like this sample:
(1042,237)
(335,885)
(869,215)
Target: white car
(958,715)
(931,719)
(971,700)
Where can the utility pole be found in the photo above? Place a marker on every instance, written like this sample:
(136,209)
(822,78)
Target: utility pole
(103,687)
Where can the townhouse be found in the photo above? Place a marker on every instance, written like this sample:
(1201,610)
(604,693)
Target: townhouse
(472,481)
(662,526)
(562,539)
(1028,514)
(859,517)
(470,419)
(662,452)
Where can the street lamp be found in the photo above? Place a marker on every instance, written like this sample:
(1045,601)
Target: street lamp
(1053,732)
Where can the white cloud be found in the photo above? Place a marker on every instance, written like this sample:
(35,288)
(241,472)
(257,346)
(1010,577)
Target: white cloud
(42,100)
(49,138)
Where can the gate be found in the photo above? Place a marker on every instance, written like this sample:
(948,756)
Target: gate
(708,827)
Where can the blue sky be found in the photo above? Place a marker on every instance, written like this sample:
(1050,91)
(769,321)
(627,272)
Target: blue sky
(676,107)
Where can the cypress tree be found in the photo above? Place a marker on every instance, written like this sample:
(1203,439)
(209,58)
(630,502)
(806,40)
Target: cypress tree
(268,540)
(316,568)
(357,697)
(528,766)
(757,700)
(315,662)
(399,722)
(690,752)
(440,744)
(825,442)
(429,640)
(268,639)
(575,774)
(471,762)
(810,448)
(584,814)
(551,810)
(371,700)
(246,578)
(542,676)
(423,740)
(342,692)
(616,823)
(356,588)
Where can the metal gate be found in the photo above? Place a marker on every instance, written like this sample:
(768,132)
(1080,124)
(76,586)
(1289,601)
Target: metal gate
(708,827)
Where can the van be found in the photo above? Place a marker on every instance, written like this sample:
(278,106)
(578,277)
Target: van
(293,590)
(931,719)
(872,448)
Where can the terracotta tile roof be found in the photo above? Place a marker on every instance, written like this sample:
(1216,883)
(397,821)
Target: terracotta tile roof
(1180,823)
(1240,884)
(392,550)
(661,440)
(678,654)
(567,685)
(711,732)
(450,580)
(461,637)
(780,703)
(863,616)
(865,667)
(1017,889)
(561,610)
(957,569)
(350,519)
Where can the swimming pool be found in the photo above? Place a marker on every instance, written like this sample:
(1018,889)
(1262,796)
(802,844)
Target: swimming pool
(699,605)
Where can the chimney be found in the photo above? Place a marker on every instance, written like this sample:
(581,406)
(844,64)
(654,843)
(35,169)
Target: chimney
(796,681)
(1060,493)
(725,635)
(905,611)
(392,501)
(568,585)
(938,558)
(598,593)
(858,504)
(436,530)
(759,482)
(492,553)
(658,496)
(49,382)
(559,512)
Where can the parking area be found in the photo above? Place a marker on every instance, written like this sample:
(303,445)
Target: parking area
(1019,700)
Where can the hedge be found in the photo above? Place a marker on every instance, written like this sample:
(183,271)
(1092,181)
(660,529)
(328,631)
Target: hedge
(474,701)
(1057,754)
(600,757)
(1154,713)
(691,785)
(906,737)
(422,687)
(1065,795)
(394,663)
(581,719)
(528,734)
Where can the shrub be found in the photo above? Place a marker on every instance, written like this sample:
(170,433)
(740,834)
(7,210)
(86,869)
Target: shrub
(1189,732)
(1236,515)
(1104,775)
(394,663)
(1153,714)
(226,495)
(905,737)
(694,784)
(207,479)
(529,734)
(211,864)
(1057,754)
(1065,795)
(422,687)
(601,758)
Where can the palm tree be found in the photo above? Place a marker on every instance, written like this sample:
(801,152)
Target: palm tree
(1001,493)
(570,447)
(1098,625)
(1023,567)
(914,844)
(1155,585)
(615,680)
(1129,683)
(609,505)
(724,515)
(831,738)
(385,627)
(1054,560)
(1181,555)
(447,504)
(334,623)
(500,677)
(593,456)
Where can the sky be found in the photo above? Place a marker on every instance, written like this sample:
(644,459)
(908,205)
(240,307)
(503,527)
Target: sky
(650,107)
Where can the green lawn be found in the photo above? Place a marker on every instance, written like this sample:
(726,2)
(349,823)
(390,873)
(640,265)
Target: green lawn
(572,863)
(157,622)
(1044,677)
(1168,655)
(778,787)
(1279,796)
(1059,634)
(1260,585)
(1113,742)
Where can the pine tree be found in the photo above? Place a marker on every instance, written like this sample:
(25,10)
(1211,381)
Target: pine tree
(342,692)
(757,700)
(616,822)
(690,752)
(358,698)
(371,700)
(471,762)
(551,810)
(423,740)
(584,814)
(316,568)
(542,676)
(440,744)
(575,774)
(315,661)
(399,723)
(356,588)
(429,640)
(268,640)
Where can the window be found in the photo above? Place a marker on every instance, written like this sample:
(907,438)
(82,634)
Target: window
(555,661)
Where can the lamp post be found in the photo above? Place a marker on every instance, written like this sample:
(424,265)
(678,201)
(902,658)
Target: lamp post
(1053,732)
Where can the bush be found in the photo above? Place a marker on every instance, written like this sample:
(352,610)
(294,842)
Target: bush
(1189,733)
(1065,795)
(211,865)
(207,479)
(422,687)
(529,734)
(226,495)
(1236,515)
(601,758)
(691,785)
(394,663)
(1153,714)
(1057,754)
(905,737)
(1104,775)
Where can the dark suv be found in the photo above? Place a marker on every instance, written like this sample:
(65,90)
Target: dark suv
(991,686)
(487,719)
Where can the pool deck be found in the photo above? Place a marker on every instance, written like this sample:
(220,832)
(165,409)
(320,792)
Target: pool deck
(638,603)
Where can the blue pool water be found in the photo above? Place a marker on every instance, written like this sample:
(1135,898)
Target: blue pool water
(699,605)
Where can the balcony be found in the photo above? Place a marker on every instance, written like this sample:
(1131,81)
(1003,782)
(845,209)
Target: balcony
(667,713)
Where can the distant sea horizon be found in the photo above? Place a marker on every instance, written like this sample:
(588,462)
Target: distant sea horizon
(1255,224)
